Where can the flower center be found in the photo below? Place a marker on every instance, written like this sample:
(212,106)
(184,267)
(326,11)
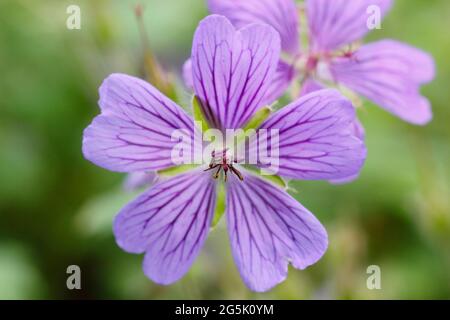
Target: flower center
(223,161)
(311,63)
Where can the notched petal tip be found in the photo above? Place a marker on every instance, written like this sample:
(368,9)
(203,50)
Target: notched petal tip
(215,21)
(231,89)
(170,223)
(269,229)
(280,14)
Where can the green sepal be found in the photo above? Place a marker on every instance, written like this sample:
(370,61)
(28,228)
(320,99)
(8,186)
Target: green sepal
(220,204)
(198,113)
(173,171)
(279,181)
(260,116)
(252,125)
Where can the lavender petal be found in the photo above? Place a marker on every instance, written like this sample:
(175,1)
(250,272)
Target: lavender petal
(135,127)
(137,180)
(232,70)
(169,223)
(268,229)
(335,23)
(390,74)
(316,138)
(280,14)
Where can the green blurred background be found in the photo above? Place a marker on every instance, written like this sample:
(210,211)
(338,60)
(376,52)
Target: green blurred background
(56,208)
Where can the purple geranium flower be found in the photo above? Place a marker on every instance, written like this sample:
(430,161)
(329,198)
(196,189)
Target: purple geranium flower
(267,227)
(387,72)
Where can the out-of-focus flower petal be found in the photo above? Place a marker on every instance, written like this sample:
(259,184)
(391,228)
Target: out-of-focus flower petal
(135,127)
(360,133)
(169,223)
(187,74)
(389,73)
(136,180)
(232,70)
(334,23)
(310,85)
(268,229)
(282,79)
(316,138)
(280,14)
(358,130)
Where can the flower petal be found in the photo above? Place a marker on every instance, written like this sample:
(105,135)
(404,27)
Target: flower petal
(232,70)
(280,14)
(267,229)
(135,127)
(389,73)
(137,180)
(334,23)
(187,74)
(310,85)
(169,223)
(360,133)
(316,138)
(282,79)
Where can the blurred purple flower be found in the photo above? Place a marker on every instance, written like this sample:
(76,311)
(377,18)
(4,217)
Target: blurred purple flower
(267,227)
(387,72)
(137,180)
